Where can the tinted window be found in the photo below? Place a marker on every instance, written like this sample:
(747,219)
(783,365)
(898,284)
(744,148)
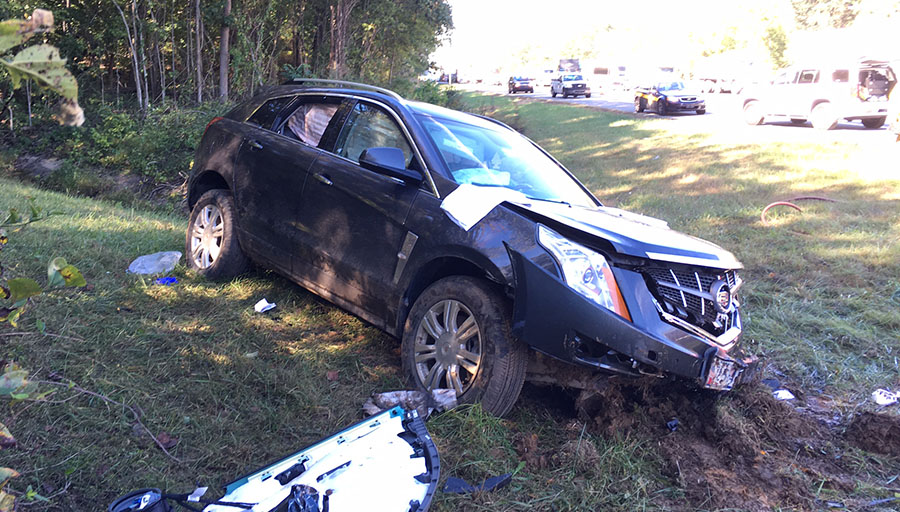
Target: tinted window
(265,115)
(840,75)
(308,122)
(808,76)
(369,126)
(572,77)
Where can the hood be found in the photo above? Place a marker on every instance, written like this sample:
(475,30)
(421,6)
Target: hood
(637,235)
(685,92)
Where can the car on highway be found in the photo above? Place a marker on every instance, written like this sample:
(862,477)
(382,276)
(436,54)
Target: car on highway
(461,237)
(520,84)
(570,84)
(667,97)
(824,95)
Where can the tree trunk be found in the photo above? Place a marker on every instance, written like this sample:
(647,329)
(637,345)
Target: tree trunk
(199,49)
(223,53)
(134,61)
(340,34)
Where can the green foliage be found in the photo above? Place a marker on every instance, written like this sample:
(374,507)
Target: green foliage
(776,42)
(817,14)
(40,64)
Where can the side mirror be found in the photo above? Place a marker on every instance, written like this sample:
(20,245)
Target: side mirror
(390,162)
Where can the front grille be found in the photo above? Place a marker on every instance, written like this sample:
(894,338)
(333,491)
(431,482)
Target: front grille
(686,294)
(688,98)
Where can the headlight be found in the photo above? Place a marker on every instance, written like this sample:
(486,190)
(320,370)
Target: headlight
(585,271)
(673,99)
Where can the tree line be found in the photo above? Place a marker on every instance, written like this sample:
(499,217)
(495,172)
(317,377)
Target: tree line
(161,52)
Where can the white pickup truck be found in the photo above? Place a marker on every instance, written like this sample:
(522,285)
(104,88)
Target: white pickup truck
(570,84)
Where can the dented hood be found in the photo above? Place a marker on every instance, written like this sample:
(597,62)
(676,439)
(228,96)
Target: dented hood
(637,235)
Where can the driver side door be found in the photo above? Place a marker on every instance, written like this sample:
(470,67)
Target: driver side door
(354,218)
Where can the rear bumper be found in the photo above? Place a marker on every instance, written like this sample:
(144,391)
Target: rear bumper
(554,319)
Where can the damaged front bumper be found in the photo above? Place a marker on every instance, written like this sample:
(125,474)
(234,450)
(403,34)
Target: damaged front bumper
(554,319)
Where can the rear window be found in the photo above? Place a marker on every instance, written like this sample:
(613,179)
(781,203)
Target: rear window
(808,76)
(265,116)
(840,75)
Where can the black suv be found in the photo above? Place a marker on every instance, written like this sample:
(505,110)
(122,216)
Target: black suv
(460,236)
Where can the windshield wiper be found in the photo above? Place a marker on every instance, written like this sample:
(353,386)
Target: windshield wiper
(557,201)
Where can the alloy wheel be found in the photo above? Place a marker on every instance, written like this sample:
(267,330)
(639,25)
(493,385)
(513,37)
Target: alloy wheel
(448,347)
(207,235)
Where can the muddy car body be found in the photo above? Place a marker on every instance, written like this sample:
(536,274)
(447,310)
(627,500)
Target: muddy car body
(377,230)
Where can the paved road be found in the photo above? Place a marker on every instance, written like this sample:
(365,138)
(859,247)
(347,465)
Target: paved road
(723,118)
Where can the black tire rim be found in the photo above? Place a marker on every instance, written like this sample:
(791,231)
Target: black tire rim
(448,347)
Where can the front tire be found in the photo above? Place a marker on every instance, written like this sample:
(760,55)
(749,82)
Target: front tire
(552,94)
(638,105)
(822,117)
(701,111)
(457,336)
(588,95)
(752,113)
(661,107)
(874,122)
(211,243)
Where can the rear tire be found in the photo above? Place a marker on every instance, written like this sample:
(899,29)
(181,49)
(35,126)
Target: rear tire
(752,113)
(211,245)
(822,117)
(457,335)
(874,122)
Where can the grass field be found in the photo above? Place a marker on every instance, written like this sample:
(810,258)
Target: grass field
(236,389)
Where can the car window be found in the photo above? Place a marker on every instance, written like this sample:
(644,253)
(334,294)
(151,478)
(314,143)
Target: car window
(370,126)
(488,157)
(572,77)
(264,117)
(671,86)
(308,122)
(786,77)
(808,76)
(840,75)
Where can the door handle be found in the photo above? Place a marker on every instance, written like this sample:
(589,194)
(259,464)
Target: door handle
(323,179)
(255,145)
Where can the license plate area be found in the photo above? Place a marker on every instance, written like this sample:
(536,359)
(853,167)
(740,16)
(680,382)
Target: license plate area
(723,374)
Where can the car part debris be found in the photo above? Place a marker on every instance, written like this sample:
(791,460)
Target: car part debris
(263,305)
(885,397)
(468,204)
(166,281)
(388,460)
(459,486)
(424,403)
(783,394)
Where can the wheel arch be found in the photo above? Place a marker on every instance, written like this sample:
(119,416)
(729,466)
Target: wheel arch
(817,102)
(439,268)
(204,182)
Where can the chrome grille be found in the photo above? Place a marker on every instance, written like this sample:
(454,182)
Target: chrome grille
(686,294)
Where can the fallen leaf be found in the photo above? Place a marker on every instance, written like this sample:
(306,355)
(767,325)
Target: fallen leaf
(331,375)
(168,442)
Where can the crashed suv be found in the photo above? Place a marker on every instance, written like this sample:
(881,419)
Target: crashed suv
(459,236)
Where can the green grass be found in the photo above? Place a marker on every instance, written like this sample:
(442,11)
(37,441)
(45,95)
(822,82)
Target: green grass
(238,389)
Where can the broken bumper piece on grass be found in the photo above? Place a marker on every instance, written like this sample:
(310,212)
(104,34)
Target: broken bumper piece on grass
(388,460)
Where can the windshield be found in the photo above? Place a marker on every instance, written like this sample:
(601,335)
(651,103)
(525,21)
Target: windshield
(502,158)
(671,86)
(572,77)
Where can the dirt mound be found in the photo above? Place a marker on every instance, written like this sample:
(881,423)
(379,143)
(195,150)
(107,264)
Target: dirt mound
(875,433)
(743,450)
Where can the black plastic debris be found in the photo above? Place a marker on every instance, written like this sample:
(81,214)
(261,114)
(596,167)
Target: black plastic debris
(459,486)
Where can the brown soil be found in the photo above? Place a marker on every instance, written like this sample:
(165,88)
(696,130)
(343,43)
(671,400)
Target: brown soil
(745,450)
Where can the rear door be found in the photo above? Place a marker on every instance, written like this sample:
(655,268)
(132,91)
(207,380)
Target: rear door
(271,172)
(353,218)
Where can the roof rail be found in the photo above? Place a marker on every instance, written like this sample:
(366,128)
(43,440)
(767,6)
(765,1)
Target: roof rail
(343,83)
